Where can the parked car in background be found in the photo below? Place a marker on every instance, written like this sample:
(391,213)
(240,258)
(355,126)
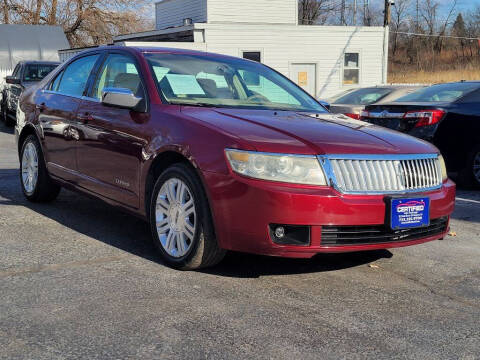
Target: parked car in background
(448,115)
(352,102)
(25,74)
(216,162)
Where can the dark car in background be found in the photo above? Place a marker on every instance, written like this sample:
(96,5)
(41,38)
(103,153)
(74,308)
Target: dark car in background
(353,101)
(25,74)
(448,115)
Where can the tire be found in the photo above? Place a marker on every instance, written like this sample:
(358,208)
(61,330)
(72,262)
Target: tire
(36,183)
(3,113)
(469,176)
(182,230)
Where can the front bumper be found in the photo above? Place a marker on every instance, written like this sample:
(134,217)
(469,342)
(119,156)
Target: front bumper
(243,210)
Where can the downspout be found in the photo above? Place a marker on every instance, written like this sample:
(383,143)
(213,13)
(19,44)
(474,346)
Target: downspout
(386,33)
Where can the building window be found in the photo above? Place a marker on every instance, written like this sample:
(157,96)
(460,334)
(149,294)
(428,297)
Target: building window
(351,69)
(253,55)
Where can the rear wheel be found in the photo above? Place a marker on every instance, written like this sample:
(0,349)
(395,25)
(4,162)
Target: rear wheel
(180,221)
(470,175)
(3,112)
(36,183)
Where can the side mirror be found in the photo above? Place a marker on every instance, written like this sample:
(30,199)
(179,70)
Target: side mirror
(120,97)
(12,80)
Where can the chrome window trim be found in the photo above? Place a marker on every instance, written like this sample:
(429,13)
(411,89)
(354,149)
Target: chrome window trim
(332,180)
(71,96)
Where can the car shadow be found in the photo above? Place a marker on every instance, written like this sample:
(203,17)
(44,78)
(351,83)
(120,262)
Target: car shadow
(113,227)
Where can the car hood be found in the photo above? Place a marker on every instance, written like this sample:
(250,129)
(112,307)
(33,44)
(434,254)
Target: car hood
(307,133)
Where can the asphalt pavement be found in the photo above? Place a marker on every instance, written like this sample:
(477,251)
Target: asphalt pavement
(81,280)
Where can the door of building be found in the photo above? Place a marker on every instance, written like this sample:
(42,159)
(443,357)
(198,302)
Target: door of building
(305,76)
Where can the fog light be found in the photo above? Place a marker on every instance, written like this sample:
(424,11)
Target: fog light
(297,235)
(280,232)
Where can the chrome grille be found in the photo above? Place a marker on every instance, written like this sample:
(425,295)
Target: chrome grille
(383,174)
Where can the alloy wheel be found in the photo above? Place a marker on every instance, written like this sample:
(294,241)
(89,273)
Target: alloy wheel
(175,217)
(30,168)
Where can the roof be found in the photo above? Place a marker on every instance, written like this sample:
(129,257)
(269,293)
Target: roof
(147,49)
(33,62)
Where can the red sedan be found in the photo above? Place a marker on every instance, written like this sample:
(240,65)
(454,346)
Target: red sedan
(220,153)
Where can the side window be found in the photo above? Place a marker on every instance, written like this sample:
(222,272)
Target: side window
(75,76)
(54,83)
(351,69)
(16,72)
(118,71)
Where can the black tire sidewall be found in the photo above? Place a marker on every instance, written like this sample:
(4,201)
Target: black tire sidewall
(471,163)
(185,174)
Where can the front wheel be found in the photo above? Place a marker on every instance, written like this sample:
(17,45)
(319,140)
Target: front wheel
(36,183)
(180,221)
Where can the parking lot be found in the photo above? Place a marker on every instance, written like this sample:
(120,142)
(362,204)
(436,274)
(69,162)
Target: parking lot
(79,279)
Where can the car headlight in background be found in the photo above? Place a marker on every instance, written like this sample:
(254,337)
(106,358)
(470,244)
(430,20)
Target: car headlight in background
(443,167)
(297,169)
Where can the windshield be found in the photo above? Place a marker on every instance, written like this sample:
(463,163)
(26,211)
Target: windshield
(200,80)
(36,72)
(363,96)
(440,93)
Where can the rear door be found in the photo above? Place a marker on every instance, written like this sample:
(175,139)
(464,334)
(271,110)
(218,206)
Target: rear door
(57,107)
(110,139)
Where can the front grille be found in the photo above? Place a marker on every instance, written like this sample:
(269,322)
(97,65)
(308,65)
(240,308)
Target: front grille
(378,234)
(380,174)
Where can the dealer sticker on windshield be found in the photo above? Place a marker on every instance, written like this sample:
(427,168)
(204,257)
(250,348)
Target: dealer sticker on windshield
(410,213)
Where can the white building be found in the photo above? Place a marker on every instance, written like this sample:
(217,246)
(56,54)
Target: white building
(324,60)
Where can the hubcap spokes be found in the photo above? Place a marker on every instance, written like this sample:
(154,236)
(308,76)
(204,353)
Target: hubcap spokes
(476,166)
(29,168)
(175,217)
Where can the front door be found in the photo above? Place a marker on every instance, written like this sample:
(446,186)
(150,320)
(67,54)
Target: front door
(110,141)
(305,76)
(57,107)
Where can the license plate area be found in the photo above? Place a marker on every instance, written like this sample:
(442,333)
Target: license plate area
(407,213)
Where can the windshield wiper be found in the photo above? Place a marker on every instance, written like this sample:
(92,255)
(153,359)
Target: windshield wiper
(198,104)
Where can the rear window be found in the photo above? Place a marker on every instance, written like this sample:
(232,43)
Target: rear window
(36,72)
(440,93)
(363,96)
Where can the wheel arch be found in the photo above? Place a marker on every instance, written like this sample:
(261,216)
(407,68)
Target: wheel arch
(160,163)
(27,130)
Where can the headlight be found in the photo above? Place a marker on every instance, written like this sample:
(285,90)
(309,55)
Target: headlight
(443,167)
(296,169)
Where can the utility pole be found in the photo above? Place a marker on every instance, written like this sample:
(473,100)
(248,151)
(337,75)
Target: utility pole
(354,12)
(366,15)
(342,13)
(417,23)
(386,22)
(387,12)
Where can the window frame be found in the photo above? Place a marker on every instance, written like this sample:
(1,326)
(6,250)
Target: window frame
(61,73)
(358,67)
(99,66)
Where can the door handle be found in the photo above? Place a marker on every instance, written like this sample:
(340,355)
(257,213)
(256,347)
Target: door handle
(84,119)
